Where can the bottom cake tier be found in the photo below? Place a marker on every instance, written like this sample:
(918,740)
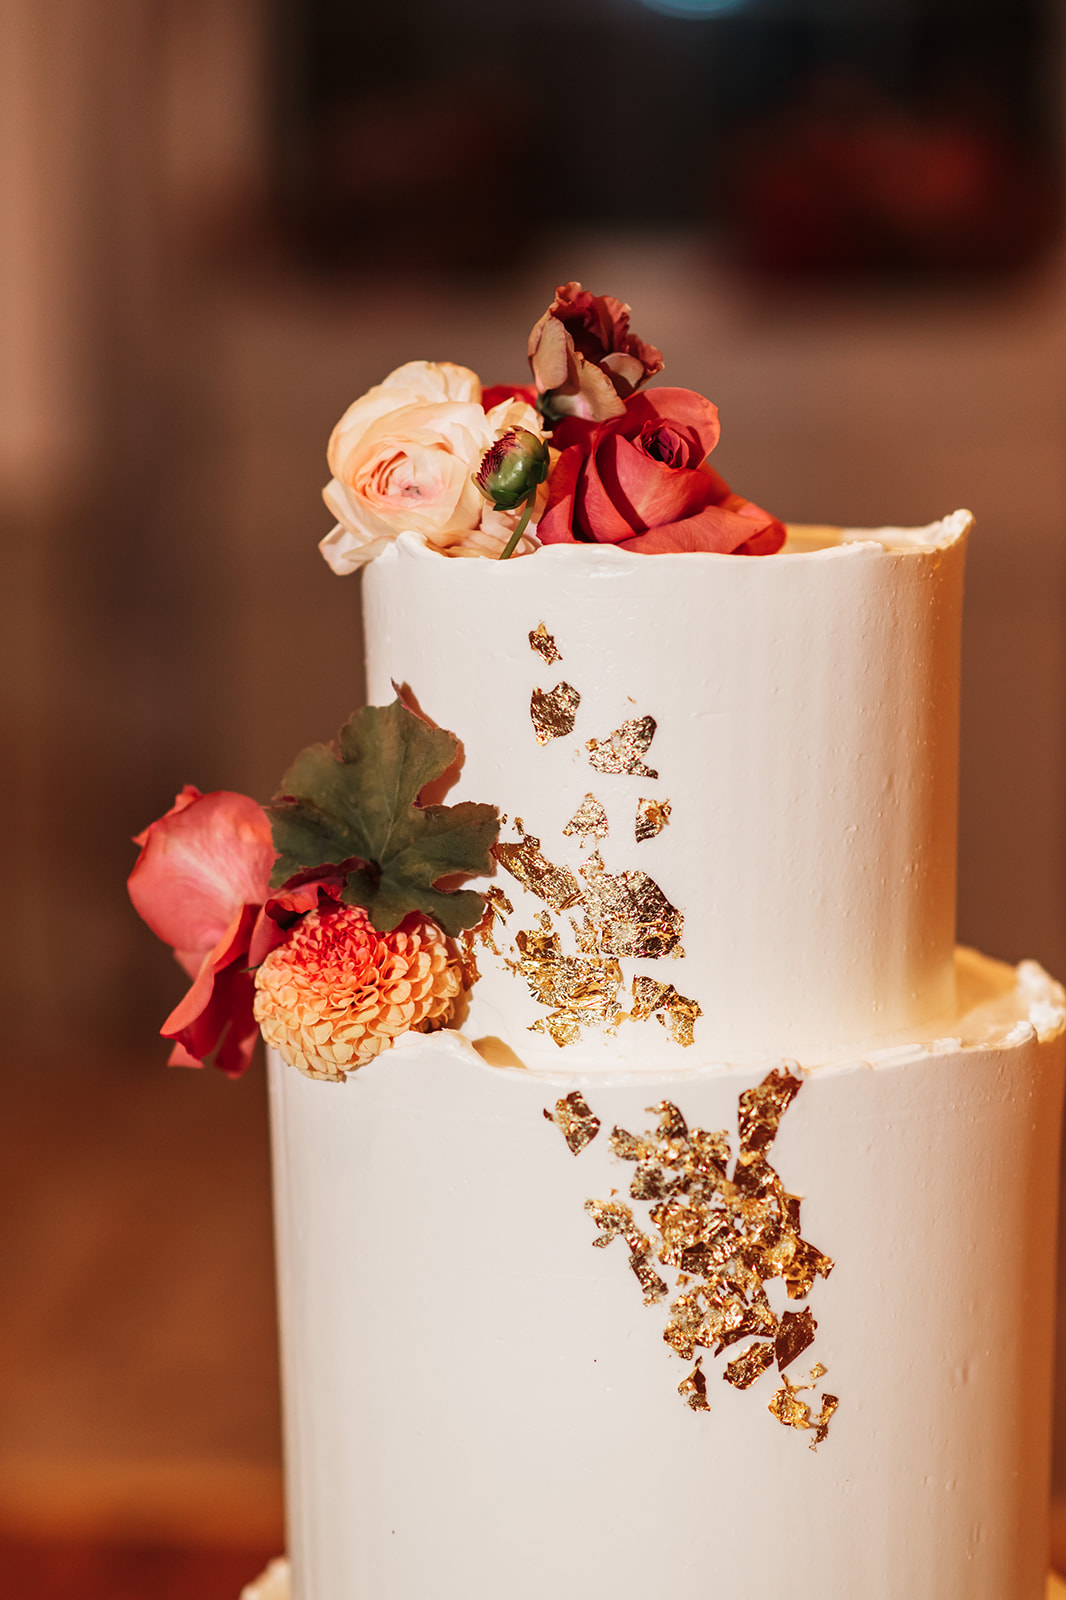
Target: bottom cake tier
(753,1330)
(275,1584)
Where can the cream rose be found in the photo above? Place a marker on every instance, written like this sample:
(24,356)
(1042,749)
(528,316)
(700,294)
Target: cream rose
(403,458)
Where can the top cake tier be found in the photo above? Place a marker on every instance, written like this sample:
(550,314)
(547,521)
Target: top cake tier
(730,787)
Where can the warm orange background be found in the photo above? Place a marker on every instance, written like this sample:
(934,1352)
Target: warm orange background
(169,375)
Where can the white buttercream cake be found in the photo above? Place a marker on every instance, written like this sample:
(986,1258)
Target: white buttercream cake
(712,1250)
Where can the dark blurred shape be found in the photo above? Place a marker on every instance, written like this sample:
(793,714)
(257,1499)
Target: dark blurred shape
(847,181)
(820,136)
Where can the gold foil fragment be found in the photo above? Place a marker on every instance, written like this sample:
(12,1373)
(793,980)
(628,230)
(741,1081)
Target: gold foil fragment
(622,750)
(632,914)
(587,936)
(821,1421)
(615,1220)
(553,711)
(788,1408)
(792,1412)
(794,1335)
(652,818)
(582,990)
(542,642)
(805,1265)
(496,905)
(726,1226)
(761,1110)
(524,861)
(468,955)
(575,1119)
(561,1028)
(693,1389)
(589,819)
(654,1287)
(499,902)
(677,1013)
(749,1366)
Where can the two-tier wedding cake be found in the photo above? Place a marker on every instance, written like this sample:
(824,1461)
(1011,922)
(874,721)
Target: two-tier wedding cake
(664,1204)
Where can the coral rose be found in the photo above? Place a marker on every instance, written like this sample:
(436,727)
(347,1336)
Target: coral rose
(337,992)
(199,882)
(585,361)
(640,481)
(402,459)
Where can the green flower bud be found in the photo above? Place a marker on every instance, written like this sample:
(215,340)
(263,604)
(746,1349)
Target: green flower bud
(512,468)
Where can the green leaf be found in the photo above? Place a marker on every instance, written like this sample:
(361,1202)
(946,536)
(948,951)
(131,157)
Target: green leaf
(355,802)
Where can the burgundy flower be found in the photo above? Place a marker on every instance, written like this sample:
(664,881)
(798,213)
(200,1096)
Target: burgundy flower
(585,361)
(640,481)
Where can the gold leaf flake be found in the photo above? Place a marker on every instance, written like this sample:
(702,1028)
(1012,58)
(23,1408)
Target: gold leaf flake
(615,1220)
(792,1412)
(821,1421)
(652,818)
(582,990)
(654,1287)
(524,861)
(676,1013)
(622,750)
(577,1122)
(467,953)
(761,1110)
(497,904)
(498,901)
(749,1365)
(589,818)
(561,1027)
(726,1226)
(693,1389)
(794,1336)
(553,711)
(633,915)
(586,935)
(805,1265)
(543,643)
(788,1408)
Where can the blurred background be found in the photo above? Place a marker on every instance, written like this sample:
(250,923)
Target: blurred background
(222,220)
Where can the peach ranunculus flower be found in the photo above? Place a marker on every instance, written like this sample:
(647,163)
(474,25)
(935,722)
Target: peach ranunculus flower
(403,458)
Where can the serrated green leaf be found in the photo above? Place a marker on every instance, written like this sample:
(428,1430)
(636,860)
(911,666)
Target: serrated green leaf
(354,802)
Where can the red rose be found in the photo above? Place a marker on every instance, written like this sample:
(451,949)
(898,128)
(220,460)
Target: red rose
(585,361)
(640,481)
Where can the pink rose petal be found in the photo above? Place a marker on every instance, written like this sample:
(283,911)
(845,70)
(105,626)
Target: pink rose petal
(208,856)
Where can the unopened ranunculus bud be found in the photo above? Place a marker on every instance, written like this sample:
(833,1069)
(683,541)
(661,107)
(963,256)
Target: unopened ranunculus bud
(512,468)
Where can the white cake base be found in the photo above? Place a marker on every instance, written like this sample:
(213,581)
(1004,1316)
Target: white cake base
(274,1585)
(478,1403)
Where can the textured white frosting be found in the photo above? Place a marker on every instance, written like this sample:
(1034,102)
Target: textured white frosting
(478,1403)
(807,720)
(1056,1589)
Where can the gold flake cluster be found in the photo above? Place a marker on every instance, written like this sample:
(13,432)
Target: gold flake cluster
(726,1227)
(593,918)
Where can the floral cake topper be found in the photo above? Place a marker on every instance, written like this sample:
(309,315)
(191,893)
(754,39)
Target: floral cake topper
(321,919)
(329,918)
(584,455)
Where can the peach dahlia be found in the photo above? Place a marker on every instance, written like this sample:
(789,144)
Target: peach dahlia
(337,991)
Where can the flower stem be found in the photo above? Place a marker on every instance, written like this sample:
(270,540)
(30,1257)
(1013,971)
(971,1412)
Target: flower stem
(512,544)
